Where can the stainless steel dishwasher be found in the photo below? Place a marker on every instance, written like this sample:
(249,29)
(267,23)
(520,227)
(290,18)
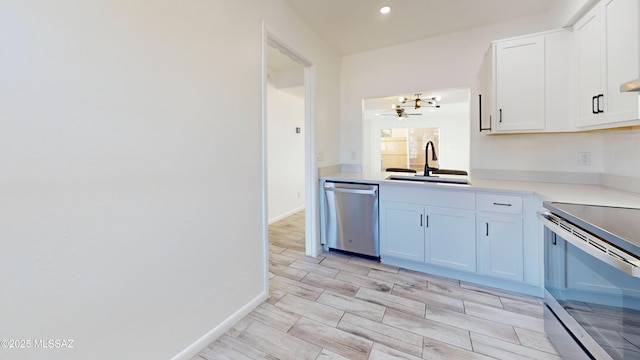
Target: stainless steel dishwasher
(351,217)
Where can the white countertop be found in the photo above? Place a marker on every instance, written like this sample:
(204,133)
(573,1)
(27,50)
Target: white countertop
(561,192)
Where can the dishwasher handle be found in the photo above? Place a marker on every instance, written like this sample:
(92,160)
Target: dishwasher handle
(351,191)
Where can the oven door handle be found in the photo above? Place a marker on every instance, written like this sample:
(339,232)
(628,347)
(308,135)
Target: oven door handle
(592,245)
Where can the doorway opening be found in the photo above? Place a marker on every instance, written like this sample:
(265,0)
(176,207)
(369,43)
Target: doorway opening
(285,138)
(289,168)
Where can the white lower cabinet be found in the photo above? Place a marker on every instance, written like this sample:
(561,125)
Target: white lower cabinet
(509,238)
(439,236)
(401,230)
(428,226)
(501,236)
(490,238)
(450,239)
(501,246)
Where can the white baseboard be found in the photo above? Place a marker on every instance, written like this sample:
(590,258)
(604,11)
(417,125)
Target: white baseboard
(288,213)
(195,348)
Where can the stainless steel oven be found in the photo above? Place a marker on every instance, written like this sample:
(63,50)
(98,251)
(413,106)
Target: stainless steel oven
(592,280)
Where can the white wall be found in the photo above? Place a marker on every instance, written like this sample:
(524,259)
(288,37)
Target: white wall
(454,61)
(443,62)
(622,153)
(124,223)
(538,152)
(283,22)
(285,157)
(566,12)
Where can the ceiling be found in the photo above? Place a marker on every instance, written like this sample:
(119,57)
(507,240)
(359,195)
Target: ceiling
(277,61)
(353,26)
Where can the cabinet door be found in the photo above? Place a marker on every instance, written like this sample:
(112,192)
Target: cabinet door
(450,238)
(519,84)
(502,242)
(588,36)
(607,41)
(485,86)
(620,37)
(402,231)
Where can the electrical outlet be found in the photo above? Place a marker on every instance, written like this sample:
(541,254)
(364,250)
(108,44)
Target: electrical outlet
(584,158)
(320,156)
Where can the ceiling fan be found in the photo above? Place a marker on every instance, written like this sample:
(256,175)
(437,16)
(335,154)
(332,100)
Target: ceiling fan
(418,102)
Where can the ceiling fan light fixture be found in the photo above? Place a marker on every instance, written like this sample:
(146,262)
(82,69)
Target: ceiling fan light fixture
(418,102)
(385,10)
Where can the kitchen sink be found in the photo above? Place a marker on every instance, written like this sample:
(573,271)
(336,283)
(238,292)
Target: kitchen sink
(432,179)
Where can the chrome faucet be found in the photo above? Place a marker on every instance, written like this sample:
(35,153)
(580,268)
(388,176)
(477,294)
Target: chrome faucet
(427,169)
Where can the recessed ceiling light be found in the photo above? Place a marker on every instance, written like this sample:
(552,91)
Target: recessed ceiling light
(385,10)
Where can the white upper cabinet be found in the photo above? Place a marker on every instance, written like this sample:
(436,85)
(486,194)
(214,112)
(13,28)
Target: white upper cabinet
(519,84)
(563,80)
(590,54)
(607,56)
(531,84)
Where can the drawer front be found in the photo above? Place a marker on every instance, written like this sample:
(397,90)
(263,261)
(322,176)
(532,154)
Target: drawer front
(503,204)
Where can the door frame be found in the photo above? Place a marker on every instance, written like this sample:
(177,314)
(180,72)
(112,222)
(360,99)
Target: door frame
(312,235)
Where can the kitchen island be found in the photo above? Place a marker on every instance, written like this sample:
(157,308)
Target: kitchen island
(485,233)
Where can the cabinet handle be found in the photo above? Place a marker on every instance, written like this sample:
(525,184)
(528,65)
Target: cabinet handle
(480,111)
(487,234)
(501,204)
(601,96)
(420,220)
(427,218)
(500,116)
(593,105)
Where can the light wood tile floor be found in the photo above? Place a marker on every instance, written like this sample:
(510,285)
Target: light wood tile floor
(342,307)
